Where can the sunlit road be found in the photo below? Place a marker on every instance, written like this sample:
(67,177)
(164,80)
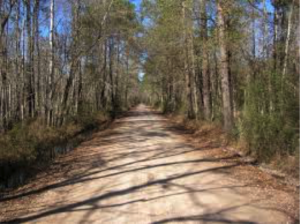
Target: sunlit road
(143,171)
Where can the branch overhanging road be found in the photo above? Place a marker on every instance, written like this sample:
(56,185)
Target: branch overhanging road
(142,171)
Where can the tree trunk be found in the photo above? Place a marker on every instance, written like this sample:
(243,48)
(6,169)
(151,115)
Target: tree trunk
(29,66)
(51,67)
(187,64)
(224,70)
(287,41)
(205,70)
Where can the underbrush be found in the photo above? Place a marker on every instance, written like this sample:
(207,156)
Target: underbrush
(202,129)
(267,135)
(268,126)
(32,145)
(287,162)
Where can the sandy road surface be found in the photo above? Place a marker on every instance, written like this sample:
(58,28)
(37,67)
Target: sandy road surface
(142,171)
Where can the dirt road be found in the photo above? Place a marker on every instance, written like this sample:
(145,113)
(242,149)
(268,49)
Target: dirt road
(143,171)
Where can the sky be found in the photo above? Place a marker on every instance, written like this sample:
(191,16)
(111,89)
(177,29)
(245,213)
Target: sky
(137,3)
(60,14)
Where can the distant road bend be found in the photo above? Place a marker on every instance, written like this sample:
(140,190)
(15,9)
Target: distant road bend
(142,170)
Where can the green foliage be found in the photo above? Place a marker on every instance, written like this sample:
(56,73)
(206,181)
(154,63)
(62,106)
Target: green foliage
(32,143)
(269,124)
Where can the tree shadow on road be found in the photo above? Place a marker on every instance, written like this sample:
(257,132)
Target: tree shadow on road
(93,201)
(103,157)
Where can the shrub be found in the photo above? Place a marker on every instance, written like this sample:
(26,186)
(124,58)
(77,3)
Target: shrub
(26,145)
(269,125)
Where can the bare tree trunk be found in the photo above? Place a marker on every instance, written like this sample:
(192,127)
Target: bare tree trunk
(205,70)
(29,66)
(224,70)
(275,37)
(287,41)
(127,77)
(187,65)
(104,83)
(2,79)
(192,71)
(18,84)
(253,34)
(51,67)
(4,21)
(111,72)
(23,98)
(265,30)
(36,57)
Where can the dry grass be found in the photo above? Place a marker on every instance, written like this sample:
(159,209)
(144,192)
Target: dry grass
(31,145)
(218,144)
(211,131)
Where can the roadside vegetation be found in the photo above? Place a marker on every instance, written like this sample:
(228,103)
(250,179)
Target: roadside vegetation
(31,147)
(231,64)
(66,68)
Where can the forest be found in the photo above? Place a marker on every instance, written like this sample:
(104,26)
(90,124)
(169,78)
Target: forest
(149,111)
(68,66)
(232,63)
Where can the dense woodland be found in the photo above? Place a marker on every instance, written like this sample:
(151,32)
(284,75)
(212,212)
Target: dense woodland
(235,63)
(65,66)
(51,69)
(228,62)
